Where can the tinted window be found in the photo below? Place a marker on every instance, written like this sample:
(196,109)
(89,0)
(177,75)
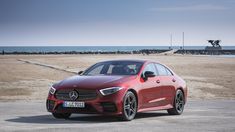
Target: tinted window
(115,68)
(161,70)
(150,67)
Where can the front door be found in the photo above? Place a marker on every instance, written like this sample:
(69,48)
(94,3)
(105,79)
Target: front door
(151,90)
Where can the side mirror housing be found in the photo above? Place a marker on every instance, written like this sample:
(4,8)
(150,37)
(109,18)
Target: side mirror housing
(80,72)
(148,74)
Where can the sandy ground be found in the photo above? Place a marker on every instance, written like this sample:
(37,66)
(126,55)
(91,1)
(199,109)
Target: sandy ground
(28,77)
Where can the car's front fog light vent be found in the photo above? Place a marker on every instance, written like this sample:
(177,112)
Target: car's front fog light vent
(50,105)
(109,107)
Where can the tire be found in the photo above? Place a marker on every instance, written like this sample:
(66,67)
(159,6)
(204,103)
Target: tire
(179,102)
(61,115)
(129,107)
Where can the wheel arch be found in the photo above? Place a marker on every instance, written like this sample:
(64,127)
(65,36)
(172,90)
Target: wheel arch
(136,95)
(180,88)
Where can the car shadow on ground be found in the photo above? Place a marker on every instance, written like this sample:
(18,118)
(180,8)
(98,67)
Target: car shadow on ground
(78,118)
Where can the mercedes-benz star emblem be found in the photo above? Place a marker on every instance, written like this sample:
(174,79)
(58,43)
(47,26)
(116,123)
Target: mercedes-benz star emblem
(73,95)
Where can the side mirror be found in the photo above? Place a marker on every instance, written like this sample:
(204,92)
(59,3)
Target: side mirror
(80,72)
(148,74)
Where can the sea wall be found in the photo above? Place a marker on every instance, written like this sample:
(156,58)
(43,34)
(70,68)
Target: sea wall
(206,52)
(143,51)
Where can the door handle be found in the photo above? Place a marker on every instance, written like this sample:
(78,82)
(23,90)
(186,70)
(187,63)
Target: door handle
(173,80)
(158,81)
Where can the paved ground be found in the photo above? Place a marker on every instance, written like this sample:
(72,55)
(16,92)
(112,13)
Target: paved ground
(199,116)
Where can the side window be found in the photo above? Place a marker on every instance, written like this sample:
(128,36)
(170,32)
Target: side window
(161,70)
(169,73)
(150,67)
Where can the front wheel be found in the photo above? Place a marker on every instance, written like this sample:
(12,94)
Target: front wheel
(61,115)
(178,106)
(129,106)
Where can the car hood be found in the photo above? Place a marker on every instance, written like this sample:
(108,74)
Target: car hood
(92,82)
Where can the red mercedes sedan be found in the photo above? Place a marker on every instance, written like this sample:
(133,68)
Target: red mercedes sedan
(119,87)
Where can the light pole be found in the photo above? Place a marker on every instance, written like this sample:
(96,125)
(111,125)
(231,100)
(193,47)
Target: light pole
(183,42)
(171,41)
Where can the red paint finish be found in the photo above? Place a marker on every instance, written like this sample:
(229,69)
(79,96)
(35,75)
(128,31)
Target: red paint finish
(155,93)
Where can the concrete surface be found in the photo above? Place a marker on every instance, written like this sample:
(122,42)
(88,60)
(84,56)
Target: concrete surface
(199,116)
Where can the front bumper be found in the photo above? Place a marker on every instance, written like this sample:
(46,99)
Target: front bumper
(108,105)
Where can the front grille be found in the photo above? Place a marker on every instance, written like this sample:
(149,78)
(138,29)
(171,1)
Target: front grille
(109,107)
(50,105)
(63,94)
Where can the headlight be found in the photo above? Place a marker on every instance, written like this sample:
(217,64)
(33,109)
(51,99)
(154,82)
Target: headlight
(108,91)
(52,90)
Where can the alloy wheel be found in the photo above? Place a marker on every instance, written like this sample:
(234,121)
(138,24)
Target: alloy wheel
(178,106)
(130,106)
(179,101)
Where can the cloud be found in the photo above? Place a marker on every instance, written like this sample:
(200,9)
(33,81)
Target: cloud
(191,8)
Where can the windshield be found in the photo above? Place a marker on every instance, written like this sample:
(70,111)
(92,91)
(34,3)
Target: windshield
(114,68)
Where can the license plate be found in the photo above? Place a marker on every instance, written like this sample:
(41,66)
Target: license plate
(74,104)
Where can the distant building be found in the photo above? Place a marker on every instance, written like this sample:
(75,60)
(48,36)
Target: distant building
(215,48)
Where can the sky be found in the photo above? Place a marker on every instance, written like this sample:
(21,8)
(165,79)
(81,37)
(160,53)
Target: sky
(116,22)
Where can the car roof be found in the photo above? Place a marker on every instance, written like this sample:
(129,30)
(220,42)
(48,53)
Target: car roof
(135,60)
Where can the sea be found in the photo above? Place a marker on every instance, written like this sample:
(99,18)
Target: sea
(91,48)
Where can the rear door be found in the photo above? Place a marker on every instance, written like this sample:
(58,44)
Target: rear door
(167,84)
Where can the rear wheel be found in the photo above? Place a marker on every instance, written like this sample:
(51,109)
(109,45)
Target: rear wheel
(61,115)
(178,106)
(129,106)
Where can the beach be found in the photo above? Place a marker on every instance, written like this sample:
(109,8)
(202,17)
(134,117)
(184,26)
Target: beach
(28,77)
